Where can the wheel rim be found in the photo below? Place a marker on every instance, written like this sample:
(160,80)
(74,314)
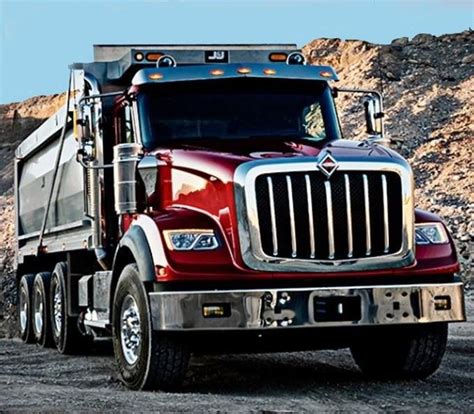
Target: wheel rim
(23,310)
(57,309)
(38,311)
(130,330)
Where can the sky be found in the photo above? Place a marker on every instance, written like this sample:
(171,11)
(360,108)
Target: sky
(39,39)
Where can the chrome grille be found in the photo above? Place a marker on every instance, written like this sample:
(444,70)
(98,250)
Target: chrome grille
(355,214)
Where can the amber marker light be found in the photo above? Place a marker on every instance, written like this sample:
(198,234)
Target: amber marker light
(217,72)
(325,74)
(139,56)
(155,76)
(278,57)
(161,271)
(244,71)
(269,71)
(153,57)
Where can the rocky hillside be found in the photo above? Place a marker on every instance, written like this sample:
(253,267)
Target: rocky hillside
(428,84)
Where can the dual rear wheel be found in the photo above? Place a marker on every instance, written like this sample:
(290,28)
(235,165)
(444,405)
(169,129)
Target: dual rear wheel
(34,308)
(42,311)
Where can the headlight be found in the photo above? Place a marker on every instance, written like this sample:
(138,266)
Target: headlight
(185,240)
(430,233)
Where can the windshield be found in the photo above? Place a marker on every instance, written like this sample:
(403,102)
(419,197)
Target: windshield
(237,109)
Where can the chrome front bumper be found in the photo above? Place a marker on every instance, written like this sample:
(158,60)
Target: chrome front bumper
(307,307)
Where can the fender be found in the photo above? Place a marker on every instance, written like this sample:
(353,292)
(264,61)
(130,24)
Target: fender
(144,243)
(141,244)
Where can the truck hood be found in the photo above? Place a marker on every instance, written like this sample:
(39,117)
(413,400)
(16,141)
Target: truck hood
(220,158)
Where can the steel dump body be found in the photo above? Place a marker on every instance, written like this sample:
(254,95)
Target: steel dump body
(35,179)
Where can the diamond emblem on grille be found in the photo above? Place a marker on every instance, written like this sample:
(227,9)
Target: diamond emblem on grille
(328,165)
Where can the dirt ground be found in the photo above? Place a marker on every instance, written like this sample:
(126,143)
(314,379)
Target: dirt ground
(32,378)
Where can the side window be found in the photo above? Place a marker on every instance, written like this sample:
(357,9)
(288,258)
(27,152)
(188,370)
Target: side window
(126,125)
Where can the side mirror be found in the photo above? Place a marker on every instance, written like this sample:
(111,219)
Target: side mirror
(373,108)
(84,132)
(373,118)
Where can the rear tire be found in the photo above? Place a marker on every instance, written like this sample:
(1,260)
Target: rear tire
(41,310)
(66,335)
(25,309)
(146,359)
(401,352)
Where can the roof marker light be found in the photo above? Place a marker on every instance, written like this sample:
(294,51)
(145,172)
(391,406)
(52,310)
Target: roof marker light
(139,56)
(326,74)
(269,71)
(244,71)
(153,57)
(278,57)
(216,72)
(155,76)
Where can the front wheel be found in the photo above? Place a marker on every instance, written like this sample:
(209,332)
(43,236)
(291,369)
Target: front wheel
(145,359)
(404,352)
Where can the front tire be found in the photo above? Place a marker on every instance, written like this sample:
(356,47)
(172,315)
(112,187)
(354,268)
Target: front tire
(145,359)
(401,352)
(25,308)
(41,310)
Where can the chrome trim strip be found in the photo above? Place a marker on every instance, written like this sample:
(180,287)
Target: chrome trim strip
(295,307)
(327,187)
(309,198)
(368,240)
(291,208)
(272,216)
(386,230)
(247,220)
(350,237)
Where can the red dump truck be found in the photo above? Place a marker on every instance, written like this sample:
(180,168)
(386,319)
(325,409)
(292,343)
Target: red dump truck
(202,198)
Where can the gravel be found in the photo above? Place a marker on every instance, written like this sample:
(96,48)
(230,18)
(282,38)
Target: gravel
(33,378)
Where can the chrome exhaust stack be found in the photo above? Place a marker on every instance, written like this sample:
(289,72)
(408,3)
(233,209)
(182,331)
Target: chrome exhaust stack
(126,158)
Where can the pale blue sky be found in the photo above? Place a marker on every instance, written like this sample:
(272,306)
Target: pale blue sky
(40,38)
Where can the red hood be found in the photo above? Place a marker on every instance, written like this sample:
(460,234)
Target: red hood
(220,158)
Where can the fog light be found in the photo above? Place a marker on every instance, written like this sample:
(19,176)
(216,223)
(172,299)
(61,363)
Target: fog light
(216,310)
(442,303)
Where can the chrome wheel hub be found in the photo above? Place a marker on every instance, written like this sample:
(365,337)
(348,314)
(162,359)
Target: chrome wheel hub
(57,309)
(130,330)
(23,310)
(38,311)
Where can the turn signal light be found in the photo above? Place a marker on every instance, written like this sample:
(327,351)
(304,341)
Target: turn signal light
(278,57)
(269,71)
